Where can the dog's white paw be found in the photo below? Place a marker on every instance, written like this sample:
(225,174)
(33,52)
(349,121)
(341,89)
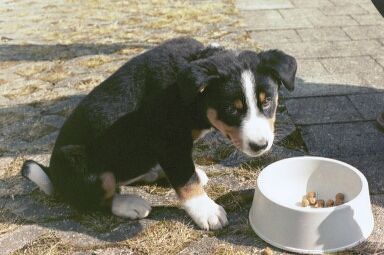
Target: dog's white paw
(203,178)
(206,213)
(130,206)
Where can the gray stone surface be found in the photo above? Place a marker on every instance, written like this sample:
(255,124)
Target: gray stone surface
(331,49)
(265,37)
(369,19)
(363,64)
(247,5)
(343,10)
(365,32)
(372,166)
(20,237)
(321,110)
(343,140)
(323,34)
(369,105)
(269,20)
(32,210)
(310,67)
(73,233)
(327,85)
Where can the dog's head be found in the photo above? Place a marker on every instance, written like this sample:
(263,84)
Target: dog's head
(240,93)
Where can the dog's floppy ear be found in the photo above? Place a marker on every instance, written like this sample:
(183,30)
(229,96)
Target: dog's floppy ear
(194,78)
(282,66)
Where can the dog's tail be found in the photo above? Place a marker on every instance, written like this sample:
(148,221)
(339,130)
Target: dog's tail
(38,174)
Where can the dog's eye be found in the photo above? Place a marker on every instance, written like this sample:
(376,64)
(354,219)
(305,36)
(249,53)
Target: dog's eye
(232,110)
(267,103)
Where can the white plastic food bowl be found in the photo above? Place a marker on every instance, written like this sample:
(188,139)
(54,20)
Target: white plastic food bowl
(278,218)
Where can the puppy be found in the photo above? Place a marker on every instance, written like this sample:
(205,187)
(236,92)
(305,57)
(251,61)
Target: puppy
(145,116)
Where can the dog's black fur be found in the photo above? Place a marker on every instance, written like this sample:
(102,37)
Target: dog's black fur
(144,113)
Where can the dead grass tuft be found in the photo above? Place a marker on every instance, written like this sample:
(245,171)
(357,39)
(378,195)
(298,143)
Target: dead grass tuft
(216,190)
(14,167)
(99,222)
(155,189)
(96,61)
(87,84)
(226,249)
(8,221)
(164,237)
(54,73)
(24,91)
(47,244)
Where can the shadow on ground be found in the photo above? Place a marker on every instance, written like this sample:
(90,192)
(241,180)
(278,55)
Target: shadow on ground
(41,52)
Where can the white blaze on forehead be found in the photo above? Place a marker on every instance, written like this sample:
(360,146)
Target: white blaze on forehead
(248,83)
(255,126)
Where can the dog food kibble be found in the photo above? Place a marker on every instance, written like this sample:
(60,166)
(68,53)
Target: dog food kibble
(267,251)
(312,199)
(319,203)
(311,194)
(304,202)
(330,203)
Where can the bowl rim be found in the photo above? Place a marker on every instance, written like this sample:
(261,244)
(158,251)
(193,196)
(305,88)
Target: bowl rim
(364,185)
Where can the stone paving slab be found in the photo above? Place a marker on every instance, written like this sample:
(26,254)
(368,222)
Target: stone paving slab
(343,10)
(265,37)
(247,5)
(17,239)
(31,210)
(318,110)
(331,49)
(365,32)
(363,64)
(268,20)
(369,19)
(372,167)
(323,34)
(369,105)
(309,67)
(343,140)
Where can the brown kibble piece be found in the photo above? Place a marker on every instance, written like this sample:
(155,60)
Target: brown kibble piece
(339,196)
(339,202)
(267,251)
(311,194)
(330,203)
(304,202)
(312,200)
(319,203)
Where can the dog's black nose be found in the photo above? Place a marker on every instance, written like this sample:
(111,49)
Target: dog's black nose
(257,147)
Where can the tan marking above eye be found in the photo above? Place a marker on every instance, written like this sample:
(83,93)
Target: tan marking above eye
(238,104)
(262,97)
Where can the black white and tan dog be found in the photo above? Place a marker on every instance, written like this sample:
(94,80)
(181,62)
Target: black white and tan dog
(145,117)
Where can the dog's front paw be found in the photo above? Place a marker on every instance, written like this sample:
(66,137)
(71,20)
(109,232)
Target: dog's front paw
(130,206)
(206,213)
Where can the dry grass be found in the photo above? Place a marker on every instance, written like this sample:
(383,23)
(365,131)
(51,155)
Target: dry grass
(155,189)
(8,221)
(14,167)
(216,190)
(96,61)
(226,249)
(24,91)
(99,222)
(54,73)
(32,69)
(87,84)
(47,244)
(164,237)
